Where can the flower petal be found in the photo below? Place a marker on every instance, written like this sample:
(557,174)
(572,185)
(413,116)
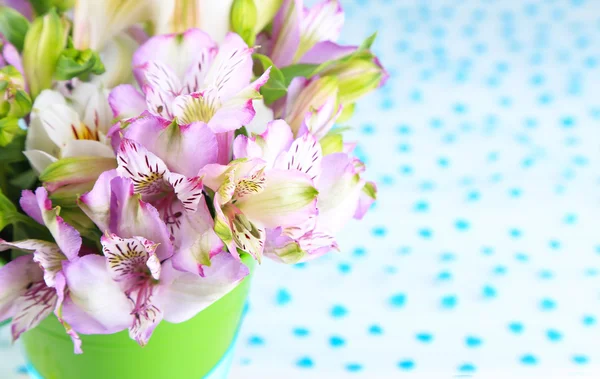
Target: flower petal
(131,217)
(323,22)
(287,30)
(289,198)
(144,322)
(46,254)
(95,304)
(96,203)
(185,149)
(39,160)
(182,294)
(29,204)
(326,51)
(15,277)
(147,171)
(197,251)
(126,101)
(177,51)
(87,148)
(33,307)
(187,190)
(91,103)
(61,123)
(231,70)
(161,87)
(130,258)
(304,155)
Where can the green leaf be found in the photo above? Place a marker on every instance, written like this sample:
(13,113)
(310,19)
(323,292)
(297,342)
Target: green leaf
(24,180)
(9,214)
(13,152)
(14,26)
(366,45)
(276,87)
(241,131)
(9,129)
(305,70)
(74,63)
(370,190)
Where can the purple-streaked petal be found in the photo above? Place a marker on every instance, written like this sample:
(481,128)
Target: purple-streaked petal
(367,198)
(146,170)
(61,289)
(187,190)
(326,51)
(231,70)
(126,101)
(287,27)
(132,217)
(304,155)
(29,204)
(197,251)
(177,51)
(145,321)
(15,277)
(161,88)
(323,22)
(182,295)
(185,149)
(46,254)
(95,304)
(34,305)
(129,259)
(212,175)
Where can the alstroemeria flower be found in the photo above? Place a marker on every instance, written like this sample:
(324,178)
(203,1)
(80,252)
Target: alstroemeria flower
(177,16)
(129,288)
(96,22)
(249,197)
(33,285)
(310,105)
(188,78)
(336,176)
(302,35)
(71,126)
(9,55)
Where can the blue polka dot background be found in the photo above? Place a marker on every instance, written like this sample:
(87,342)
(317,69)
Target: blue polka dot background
(482,255)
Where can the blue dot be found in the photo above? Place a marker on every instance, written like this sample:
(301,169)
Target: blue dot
(515,192)
(359,252)
(467,367)
(448,257)
(547,304)
(256,341)
(398,300)
(368,129)
(426,233)
(404,148)
(460,108)
(354,367)
(344,268)
(421,206)
(406,364)
(580,359)
(486,250)
(336,341)
(22,370)
(375,330)
(462,225)
(443,162)
(529,360)
(424,337)
(448,301)
(300,265)
(404,250)
(473,195)
(472,341)
(379,231)
(553,335)
(570,219)
(404,129)
(500,270)
(554,244)
(545,99)
(489,292)
(338,311)
(516,327)
(283,297)
(521,257)
(427,185)
(436,123)
(387,104)
(406,170)
(567,122)
(589,320)
(301,332)
(444,275)
(515,233)
(416,96)
(546,274)
(305,362)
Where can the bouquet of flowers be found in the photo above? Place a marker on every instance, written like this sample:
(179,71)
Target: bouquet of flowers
(148,145)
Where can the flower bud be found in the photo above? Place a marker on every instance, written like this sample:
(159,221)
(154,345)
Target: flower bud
(266,10)
(43,6)
(317,99)
(14,101)
(13,26)
(243,20)
(44,43)
(357,77)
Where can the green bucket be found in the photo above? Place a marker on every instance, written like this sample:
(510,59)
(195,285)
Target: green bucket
(190,350)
